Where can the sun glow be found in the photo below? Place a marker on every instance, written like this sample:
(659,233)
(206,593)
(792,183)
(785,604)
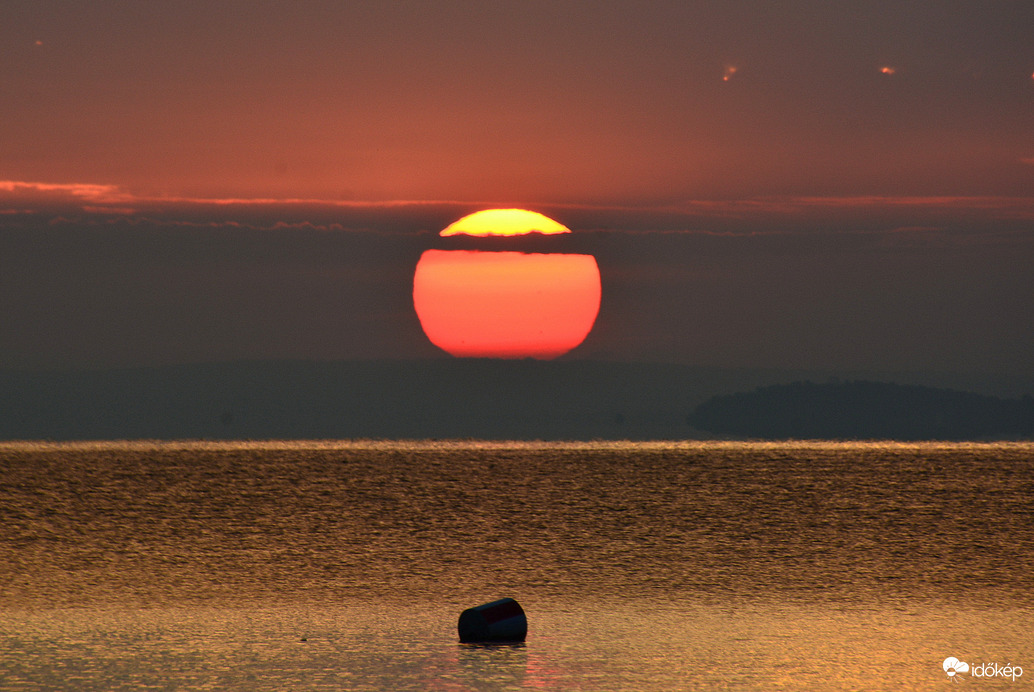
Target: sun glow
(504,222)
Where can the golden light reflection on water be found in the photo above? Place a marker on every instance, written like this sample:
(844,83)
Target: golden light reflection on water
(1024,450)
(803,565)
(163,522)
(576,644)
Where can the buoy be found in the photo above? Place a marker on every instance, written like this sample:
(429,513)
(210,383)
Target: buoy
(498,621)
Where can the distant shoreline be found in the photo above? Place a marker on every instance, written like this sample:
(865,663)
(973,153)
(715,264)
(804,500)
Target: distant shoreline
(443,399)
(866,410)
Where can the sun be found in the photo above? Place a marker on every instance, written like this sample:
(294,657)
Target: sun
(505,304)
(504,222)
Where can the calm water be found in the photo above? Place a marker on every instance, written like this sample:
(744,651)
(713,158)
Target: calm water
(344,566)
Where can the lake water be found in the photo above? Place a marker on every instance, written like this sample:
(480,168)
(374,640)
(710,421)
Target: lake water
(641,566)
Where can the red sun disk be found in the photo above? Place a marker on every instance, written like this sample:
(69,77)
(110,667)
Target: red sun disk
(506,304)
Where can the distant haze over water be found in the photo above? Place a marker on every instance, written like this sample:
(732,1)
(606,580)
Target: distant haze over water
(456,398)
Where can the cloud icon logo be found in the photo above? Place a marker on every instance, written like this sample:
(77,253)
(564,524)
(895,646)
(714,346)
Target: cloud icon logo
(953,666)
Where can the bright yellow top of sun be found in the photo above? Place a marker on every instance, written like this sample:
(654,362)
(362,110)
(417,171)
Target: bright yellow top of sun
(504,222)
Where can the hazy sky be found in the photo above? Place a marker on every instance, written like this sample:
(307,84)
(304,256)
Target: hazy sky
(797,184)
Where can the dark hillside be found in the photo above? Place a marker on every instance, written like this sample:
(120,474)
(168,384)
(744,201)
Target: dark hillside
(865,410)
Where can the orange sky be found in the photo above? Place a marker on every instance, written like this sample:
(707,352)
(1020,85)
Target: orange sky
(814,184)
(619,102)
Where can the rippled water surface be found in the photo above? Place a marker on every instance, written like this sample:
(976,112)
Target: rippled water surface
(641,566)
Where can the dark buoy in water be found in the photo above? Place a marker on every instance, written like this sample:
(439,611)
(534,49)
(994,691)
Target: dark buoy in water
(498,621)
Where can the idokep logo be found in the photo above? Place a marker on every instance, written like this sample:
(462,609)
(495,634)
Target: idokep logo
(996,670)
(953,668)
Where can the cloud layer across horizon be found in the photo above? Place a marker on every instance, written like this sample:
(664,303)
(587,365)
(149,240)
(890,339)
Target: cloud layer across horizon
(97,277)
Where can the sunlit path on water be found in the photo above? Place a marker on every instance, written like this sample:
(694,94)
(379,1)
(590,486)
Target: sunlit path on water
(650,566)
